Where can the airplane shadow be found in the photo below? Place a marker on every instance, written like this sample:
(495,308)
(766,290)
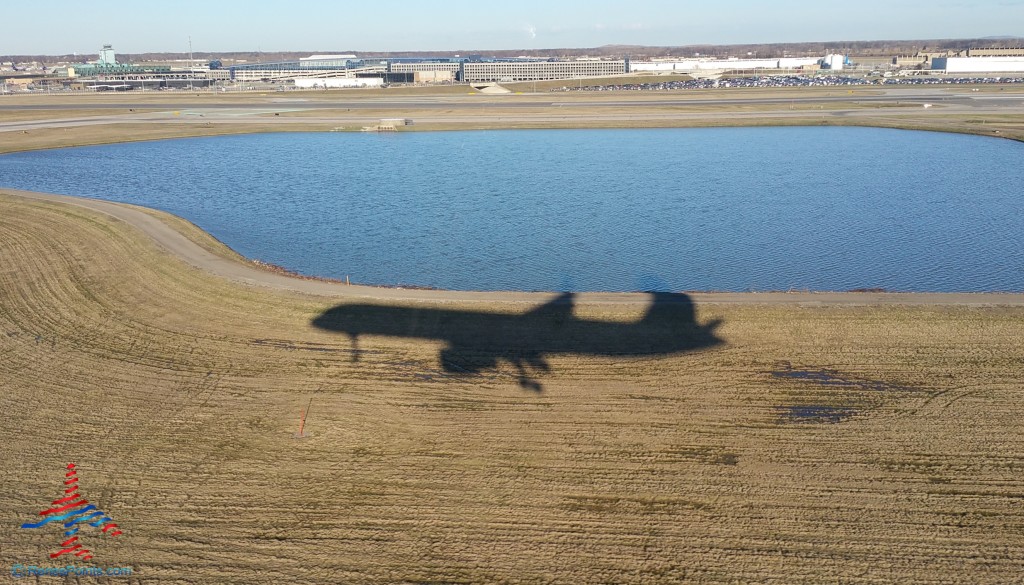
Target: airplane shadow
(477,341)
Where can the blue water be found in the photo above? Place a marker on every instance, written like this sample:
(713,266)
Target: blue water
(677,209)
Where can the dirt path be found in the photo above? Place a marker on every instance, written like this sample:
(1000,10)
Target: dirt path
(177,244)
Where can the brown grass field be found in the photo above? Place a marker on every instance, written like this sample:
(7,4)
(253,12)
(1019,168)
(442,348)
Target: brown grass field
(818,442)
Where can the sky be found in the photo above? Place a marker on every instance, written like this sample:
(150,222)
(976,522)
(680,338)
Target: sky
(64,26)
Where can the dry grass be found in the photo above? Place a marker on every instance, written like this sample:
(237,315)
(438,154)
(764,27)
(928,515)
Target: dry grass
(178,393)
(28,115)
(1004,126)
(485,111)
(44,138)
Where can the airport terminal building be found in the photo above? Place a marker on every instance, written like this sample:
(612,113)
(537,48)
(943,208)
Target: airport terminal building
(466,70)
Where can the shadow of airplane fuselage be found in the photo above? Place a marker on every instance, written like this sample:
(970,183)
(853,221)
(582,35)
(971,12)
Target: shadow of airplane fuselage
(478,340)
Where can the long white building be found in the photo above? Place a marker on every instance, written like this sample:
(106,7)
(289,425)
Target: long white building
(337,82)
(978,64)
(537,70)
(684,65)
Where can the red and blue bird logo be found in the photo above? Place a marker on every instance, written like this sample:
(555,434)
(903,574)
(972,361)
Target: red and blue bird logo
(75,513)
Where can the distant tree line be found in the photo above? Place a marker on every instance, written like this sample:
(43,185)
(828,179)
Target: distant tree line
(761,50)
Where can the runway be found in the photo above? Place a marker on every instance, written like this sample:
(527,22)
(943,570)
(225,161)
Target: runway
(520,101)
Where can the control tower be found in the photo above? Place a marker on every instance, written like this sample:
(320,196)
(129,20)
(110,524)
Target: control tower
(107,56)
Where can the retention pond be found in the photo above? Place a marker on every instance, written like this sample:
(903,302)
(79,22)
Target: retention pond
(730,209)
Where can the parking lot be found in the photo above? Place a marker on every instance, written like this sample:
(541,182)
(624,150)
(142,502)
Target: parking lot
(771,81)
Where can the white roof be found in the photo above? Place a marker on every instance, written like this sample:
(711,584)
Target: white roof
(324,57)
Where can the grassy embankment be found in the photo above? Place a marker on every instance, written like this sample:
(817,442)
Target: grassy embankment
(1004,126)
(817,444)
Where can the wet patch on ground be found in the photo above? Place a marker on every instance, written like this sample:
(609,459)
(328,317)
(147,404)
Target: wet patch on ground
(835,378)
(828,396)
(816,413)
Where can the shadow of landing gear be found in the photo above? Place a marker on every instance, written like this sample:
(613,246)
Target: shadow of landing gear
(478,341)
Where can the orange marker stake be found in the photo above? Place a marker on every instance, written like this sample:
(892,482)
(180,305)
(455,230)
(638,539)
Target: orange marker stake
(302,420)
